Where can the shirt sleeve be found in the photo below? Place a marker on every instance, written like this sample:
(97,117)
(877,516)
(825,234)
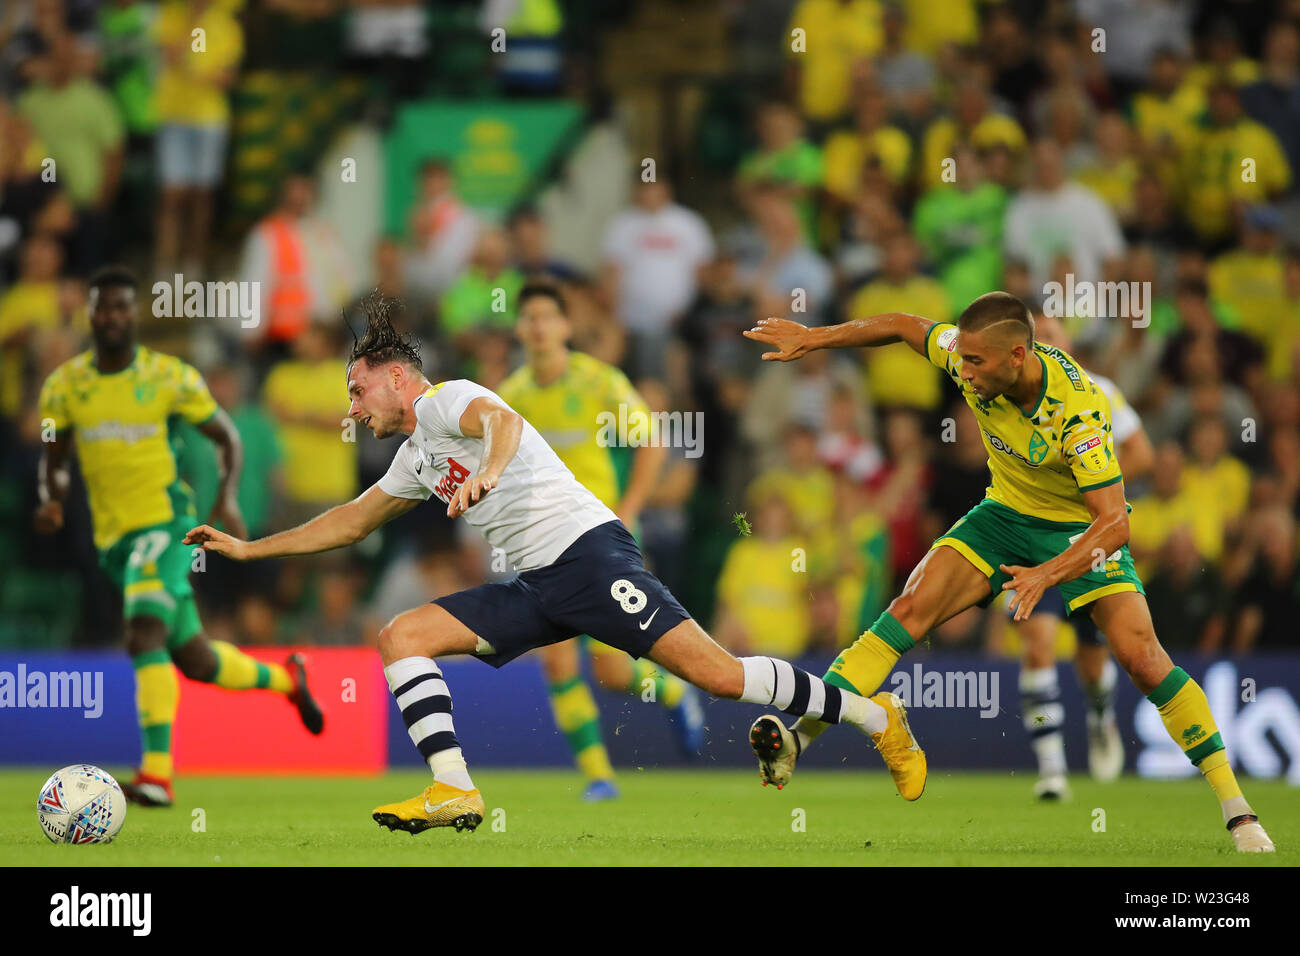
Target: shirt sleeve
(192,400)
(940,342)
(1089,447)
(440,407)
(54,402)
(620,391)
(400,481)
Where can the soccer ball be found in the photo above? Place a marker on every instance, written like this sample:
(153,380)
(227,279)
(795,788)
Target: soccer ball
(81,804)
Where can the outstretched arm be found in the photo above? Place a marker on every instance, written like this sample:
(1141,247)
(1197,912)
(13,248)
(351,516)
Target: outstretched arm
(336,528)
(793,340)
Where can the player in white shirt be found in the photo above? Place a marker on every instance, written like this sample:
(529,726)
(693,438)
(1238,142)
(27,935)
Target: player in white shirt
(1040,691)
(580,571)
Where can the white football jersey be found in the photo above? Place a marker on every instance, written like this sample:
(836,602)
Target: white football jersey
(537,508)
(1124,421)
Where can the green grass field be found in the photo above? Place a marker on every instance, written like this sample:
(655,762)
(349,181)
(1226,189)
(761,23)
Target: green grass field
(671,818)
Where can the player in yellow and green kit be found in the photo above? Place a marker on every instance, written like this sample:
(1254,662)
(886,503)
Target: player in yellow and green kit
(1054,515)
(116,402)
(576,402)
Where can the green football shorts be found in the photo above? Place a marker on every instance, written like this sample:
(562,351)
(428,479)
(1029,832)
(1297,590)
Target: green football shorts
(152,568)
(992,534)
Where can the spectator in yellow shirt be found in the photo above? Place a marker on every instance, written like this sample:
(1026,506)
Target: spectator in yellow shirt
(1249,278)
(837,37)
(972,122)
(27,308)
(320,452)
(1231,162)
(201,45)
(763,605)
(895,374)
(873,139)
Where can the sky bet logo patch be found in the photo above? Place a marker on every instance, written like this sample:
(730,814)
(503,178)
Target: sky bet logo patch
(1087,445)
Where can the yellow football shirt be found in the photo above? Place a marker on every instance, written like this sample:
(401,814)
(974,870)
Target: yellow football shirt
(1043,461)
(766,596)
(895,374)
(319,465)
(120,426)
(585,412)
(188,91)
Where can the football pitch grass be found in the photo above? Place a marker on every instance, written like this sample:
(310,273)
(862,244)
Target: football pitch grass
(671,818)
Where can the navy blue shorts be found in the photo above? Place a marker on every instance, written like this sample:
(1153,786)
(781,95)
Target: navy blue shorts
(1053,603)
(598,586)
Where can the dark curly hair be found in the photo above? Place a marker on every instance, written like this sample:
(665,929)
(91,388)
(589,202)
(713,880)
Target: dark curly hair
(381,343)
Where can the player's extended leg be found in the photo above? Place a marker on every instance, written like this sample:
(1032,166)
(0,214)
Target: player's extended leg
(1040,703)
(578,718)
(640,678)
(217,662)
(1097,676)
(692,655)
(407,646)
(1126,621)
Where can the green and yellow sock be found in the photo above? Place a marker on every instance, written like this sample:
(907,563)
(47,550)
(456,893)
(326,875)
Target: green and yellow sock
(863,667)
(579,721)
(668,690)
(237,671)
(157,696)
(1185,711)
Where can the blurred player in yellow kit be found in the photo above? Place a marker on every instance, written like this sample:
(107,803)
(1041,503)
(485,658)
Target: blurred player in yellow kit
(115,402)
(570,397)
(1054,515)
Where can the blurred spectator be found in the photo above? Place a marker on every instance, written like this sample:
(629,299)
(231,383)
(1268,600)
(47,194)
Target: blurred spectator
(299,264)
(960,227)
(895,374)
(906,77)
(873,140)
(200,43)
(443,231)
(305,394)
(786,277)
(973,122)
(652,251)
(785,393)
(1112,174)
(1269,601)
(1054,216)
(1248,279)
(1274,99)
(78,122)
(1186,595)
(531,248)
(30,306)
(785,161)
(1136,32)
(761,598)
(838,36)
(263,454)
(1232,161)
(483,295)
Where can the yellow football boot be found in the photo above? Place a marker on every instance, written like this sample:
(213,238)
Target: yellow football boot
(903,755)
(439,806)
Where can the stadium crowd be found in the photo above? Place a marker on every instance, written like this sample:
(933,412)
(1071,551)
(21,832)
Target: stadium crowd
(901,156)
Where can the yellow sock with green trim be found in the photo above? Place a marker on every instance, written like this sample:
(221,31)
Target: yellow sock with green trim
(1186,714)
(157,697)
(237,671)
(579,721)
(668,690)
(863,667)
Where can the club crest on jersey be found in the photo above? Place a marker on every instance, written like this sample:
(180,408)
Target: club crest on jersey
(455,477)
(947,339)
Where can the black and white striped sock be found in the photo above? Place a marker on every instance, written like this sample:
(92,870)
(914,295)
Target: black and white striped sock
(776,682)
(425,703)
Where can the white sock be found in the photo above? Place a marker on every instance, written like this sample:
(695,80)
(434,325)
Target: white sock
(448,767)
(425,702)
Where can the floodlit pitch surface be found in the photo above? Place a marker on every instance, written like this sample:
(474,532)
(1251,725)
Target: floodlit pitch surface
(674,818)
